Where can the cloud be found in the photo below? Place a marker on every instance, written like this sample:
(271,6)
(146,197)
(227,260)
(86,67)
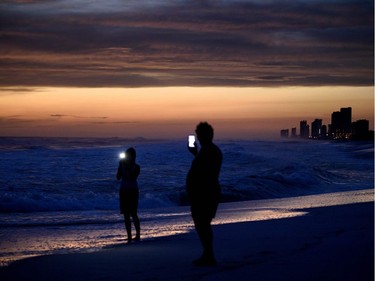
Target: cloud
(15,122)
(77,116)
(186,43)
(11,91)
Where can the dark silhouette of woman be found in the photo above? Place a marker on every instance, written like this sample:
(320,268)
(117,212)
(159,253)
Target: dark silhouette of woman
(203,188)
(128,172)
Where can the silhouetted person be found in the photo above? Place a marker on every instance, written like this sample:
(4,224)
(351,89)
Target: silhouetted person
(203,188)
(128,172)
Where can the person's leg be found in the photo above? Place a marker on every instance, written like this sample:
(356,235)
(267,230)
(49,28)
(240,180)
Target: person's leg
(128,226)
(135,215)
(137,226)
(205,233)
(132,197)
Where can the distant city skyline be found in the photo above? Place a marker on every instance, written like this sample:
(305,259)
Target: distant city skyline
(341,126)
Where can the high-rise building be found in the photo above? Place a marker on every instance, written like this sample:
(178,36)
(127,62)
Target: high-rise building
(316,128)
(304,129)
(361,129)
(347,120)
(284,133)
(294,132)
(341,123)
(323,132)
(335,123)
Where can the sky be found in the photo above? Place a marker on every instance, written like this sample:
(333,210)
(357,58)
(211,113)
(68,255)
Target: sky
(154,69)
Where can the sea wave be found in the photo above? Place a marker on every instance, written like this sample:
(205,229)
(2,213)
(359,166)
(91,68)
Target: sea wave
(75,175)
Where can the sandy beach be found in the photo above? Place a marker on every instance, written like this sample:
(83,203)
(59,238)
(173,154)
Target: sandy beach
(325,243)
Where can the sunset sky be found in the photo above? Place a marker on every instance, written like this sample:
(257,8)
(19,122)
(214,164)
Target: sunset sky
(156,68)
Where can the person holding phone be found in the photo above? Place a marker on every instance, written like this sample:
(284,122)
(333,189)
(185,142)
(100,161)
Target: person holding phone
(203,188)
(128,172)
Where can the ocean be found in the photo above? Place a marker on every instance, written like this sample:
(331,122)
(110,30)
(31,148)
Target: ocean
(60,195)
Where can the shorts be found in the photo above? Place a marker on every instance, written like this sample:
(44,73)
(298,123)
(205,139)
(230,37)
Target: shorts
(129,200)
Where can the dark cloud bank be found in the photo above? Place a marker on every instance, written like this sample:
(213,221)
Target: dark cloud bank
(192,43)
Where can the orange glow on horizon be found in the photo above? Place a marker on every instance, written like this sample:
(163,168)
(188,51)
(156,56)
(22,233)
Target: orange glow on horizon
(173,111)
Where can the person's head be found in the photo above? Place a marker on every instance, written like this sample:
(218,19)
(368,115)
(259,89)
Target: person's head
(131,154)
(205,132)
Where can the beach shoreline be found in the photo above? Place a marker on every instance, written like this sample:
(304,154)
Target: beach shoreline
(324,243)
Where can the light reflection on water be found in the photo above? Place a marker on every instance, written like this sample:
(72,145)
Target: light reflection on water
(55,233)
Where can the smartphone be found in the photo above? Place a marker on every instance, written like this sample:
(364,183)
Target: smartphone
(122,155)
(191,140)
